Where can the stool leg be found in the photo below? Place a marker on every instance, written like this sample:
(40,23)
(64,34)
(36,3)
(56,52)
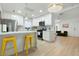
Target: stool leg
(24,44)
(3,48)
(26,47)
(30,42)
(15,47)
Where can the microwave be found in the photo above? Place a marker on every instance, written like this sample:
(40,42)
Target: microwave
(42,23)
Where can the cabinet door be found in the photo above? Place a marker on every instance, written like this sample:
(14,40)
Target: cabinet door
(35,22)
(48,20)
(6,16)
(0,11)
(46,35)
(42,18)
(18,19)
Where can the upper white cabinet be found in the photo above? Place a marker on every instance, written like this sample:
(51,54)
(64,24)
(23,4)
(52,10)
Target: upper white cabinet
(42,18)
(6,16)
(0,11)
(0,8)
(17,18)
(47,18)
(36,22)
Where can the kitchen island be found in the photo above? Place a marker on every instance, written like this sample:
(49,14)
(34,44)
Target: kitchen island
(19,39)
(49,36)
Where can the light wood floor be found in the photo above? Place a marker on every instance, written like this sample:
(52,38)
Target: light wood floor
(63,46)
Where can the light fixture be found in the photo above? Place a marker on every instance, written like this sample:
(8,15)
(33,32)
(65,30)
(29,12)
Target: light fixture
(55,7)
(33,15)
(14,16)
(26,17)
(41,10)
(19,11)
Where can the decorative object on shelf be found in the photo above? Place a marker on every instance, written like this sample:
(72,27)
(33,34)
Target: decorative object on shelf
(55,7)
(65,25)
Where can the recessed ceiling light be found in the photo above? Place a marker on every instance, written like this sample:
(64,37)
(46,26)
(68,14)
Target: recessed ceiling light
(41,10)
(26,17)
(19,11)
(14,16)
(33,15)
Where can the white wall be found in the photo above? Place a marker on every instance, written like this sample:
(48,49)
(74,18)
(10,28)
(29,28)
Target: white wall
(70,17)
(73,29)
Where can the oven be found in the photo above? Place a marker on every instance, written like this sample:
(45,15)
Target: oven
(40,34)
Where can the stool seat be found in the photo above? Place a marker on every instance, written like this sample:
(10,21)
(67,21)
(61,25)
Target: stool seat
(9,38)
(6,40)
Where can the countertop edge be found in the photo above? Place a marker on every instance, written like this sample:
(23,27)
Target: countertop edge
(17,32)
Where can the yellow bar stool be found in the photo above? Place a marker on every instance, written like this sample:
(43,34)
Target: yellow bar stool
(28,39)
(5,41)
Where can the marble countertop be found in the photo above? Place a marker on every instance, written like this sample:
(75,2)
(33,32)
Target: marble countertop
(17,32)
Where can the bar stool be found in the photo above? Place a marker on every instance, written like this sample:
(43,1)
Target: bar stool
(5,41)
(28,38)
(0,51)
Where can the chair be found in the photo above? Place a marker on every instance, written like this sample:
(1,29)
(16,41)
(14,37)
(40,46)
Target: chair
(5,41)
(28,38)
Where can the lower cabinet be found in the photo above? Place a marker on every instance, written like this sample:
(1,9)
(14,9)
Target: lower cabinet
(49,36)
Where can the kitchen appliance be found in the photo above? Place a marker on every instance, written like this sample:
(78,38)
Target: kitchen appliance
(40,34)
(42,23)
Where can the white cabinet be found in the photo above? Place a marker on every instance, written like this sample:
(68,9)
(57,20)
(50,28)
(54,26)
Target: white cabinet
(48,19)
(0,11)
(36,21)
(17,18)
(49,36)
(20,20)
(6,16)
(40,19)
(43,18)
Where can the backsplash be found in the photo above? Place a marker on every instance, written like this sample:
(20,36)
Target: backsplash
(20,28)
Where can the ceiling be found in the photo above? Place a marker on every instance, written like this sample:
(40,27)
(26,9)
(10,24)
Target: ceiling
(30,10)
